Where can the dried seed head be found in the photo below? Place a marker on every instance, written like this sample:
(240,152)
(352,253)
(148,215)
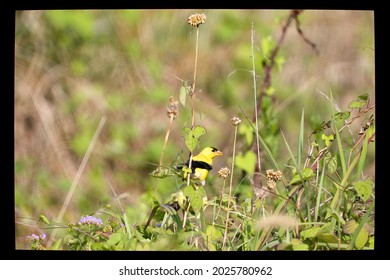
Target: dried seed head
(235,121)
(196,19)
(173,108)
(273,175)
(271,184)
(224,172)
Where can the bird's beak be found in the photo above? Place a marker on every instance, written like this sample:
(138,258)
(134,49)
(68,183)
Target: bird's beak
(218,153)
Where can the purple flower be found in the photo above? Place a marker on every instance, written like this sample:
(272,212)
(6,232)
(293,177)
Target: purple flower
(90,220)
(32,237)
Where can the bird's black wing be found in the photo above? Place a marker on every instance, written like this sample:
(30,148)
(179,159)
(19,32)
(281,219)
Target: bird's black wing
(199,164)
(196,164)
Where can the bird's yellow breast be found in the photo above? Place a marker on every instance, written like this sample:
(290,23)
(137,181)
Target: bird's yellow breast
(201,173)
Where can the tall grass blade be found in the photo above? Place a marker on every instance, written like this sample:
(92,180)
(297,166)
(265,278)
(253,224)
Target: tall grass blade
(338,138)
(300,139)
(363,156)
(127,225)
(320,186)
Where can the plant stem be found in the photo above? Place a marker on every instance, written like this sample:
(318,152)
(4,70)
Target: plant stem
(194,81)
(255,97)
(193,98)
(230,189)
(166,139)
(171,117)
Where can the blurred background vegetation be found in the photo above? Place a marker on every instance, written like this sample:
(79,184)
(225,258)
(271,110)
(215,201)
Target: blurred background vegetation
(73,67)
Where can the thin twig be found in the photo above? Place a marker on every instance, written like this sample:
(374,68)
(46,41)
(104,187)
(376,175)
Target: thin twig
(300,32)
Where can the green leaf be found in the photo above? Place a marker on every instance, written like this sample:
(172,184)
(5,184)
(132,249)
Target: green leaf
(44,219)
(342,115)
(213,233)
(184,90)
(331,162)
(324,233)
(186,171)
(199,131)
(328,139)
(364,188)
(191,137)
(359,102)
(356,104)
(361,239)
(327,228)
(310,232)
(352,225)
(296,179)
(138,235)
(190,141)
(298,245)
(115,238)
(195,196)
(247,132)
(363,97)
(306,174)
(328,237)
(246,162)
(371,242)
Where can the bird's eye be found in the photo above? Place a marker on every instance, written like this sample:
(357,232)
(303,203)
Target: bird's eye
(214,149)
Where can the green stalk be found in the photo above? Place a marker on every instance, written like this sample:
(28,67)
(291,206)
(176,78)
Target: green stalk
(300,139)
(363,156)
(338,139)
(230,188)
(127,225)
(255,97)
(320,186)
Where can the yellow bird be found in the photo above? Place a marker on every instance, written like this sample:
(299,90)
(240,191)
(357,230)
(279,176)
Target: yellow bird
(201,164)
